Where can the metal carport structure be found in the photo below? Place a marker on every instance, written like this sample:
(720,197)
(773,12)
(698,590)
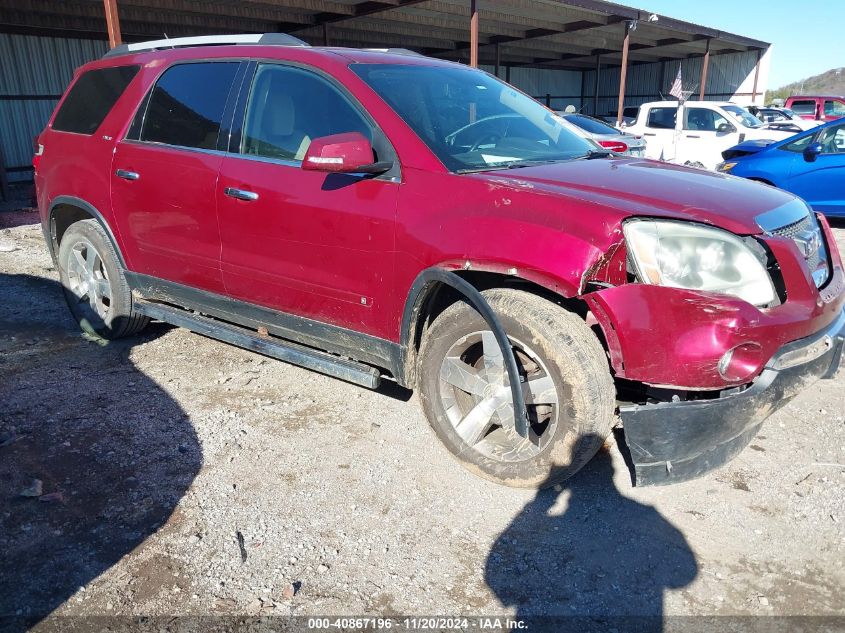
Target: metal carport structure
(597,55)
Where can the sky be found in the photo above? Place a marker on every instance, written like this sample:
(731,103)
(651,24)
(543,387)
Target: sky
(807,36)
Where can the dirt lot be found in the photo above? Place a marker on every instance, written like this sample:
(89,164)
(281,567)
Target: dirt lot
(191,477)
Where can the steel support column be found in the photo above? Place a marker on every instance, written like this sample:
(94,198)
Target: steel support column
(473,33)
(112,23)
(498,59)
(704,65)
(326,34)
(624,72)
(756,76)
(596,86)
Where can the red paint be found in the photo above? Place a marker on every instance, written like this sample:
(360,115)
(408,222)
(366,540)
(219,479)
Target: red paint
(338,153)
(819,113)
(345,249)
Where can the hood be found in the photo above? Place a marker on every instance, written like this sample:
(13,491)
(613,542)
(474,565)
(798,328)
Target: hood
(636,187)
(746,148)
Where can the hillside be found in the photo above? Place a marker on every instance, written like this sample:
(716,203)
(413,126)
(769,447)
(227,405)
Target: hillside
(831,82)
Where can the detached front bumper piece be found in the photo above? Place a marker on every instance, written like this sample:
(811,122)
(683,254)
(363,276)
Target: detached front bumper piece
(677,441)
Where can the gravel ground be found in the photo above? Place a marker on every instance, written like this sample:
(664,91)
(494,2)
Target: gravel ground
(184,476)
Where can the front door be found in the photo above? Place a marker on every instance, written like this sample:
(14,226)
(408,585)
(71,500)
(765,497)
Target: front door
(820,182)
(308,243)
(164,175)
(705,135)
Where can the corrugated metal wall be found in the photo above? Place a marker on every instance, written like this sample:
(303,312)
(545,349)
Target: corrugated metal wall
(34,72)
(560,87)
(727,77)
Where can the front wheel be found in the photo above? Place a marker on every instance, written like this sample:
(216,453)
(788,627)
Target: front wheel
(565,378)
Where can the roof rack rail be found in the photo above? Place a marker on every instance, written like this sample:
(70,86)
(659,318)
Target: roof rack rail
(395,51)
(268,39)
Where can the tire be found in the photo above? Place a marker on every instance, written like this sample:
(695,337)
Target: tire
(556,351)
(94,285)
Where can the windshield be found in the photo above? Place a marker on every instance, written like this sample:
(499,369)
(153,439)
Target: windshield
(743,116)
(589,124)
(471,120)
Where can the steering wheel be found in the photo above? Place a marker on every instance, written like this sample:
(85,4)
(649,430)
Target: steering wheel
(492,137)
(450,139)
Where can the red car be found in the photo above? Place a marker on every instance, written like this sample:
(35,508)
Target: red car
(824,108)
(381,215)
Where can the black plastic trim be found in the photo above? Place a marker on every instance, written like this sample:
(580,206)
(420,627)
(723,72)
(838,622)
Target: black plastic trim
(50,230)
(315,334)
(416,300)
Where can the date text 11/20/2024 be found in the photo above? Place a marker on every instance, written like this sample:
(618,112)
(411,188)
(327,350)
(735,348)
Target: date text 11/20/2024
(418,623)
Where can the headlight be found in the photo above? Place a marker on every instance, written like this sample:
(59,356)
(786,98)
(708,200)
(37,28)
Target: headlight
(725,166)
(695,257)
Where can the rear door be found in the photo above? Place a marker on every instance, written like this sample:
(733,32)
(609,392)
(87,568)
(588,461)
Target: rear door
(833,109)
(820,182)
(308,243)
(164,175)
(660,133)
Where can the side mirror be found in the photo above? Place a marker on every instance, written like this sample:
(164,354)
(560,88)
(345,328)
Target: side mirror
(812,151)
(725,128)
(346,153)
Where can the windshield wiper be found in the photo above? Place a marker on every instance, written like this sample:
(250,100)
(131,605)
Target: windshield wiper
(597,153)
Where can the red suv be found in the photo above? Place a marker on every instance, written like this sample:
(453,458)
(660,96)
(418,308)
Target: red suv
(826,108)
(381,215)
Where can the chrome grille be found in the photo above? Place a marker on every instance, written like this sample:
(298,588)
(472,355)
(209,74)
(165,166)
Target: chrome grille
(803,232)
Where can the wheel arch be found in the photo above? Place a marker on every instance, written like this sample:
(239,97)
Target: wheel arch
(67,210)
(430,294)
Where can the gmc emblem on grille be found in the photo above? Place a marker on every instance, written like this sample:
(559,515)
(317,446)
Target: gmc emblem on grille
(808,242)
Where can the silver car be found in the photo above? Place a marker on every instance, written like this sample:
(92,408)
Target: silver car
(606,135)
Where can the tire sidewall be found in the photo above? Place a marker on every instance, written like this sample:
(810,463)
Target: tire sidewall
(572,442)
(120,300)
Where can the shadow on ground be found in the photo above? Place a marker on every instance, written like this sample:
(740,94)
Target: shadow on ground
(113,451)
(582,557)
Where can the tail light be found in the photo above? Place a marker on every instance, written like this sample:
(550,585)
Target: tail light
(615,146)
(39,152)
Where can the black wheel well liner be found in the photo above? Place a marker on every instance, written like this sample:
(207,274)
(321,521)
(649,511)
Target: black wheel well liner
(67,210)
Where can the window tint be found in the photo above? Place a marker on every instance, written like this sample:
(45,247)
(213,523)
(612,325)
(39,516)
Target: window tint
(91,98)
(806,106)
(186,105)
(662,118)
(289,107)
(590,124)
(835,108)
(833,140)
(703,119)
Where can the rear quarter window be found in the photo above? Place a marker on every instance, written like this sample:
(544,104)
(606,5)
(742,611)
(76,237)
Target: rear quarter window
(91,98)
(803,106)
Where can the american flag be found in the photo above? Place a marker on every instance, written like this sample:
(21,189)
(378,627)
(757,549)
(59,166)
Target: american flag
(677,89)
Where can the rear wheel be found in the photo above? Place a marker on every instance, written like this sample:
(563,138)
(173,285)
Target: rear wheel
(565,378)
(94,285)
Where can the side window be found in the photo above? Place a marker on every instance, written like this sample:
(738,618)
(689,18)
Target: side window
(289,107)
(800,144)
(804,107)
(91,98)
(834,108)
(186,105)
(662,118)
(833,140)
(703,119)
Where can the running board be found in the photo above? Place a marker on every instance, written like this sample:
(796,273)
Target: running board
(278,348)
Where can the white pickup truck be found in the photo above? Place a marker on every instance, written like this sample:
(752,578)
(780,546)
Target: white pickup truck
(696,133)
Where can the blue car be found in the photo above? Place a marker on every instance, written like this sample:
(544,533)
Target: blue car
(810,165)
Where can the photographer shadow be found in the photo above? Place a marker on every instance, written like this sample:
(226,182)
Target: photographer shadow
(94,455)
(583,557)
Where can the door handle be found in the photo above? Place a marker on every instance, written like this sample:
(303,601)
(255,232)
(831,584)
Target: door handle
(127,175)
(240,194)
(649,134)
(693,136)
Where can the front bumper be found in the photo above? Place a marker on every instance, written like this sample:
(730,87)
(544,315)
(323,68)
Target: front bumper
(677,441)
